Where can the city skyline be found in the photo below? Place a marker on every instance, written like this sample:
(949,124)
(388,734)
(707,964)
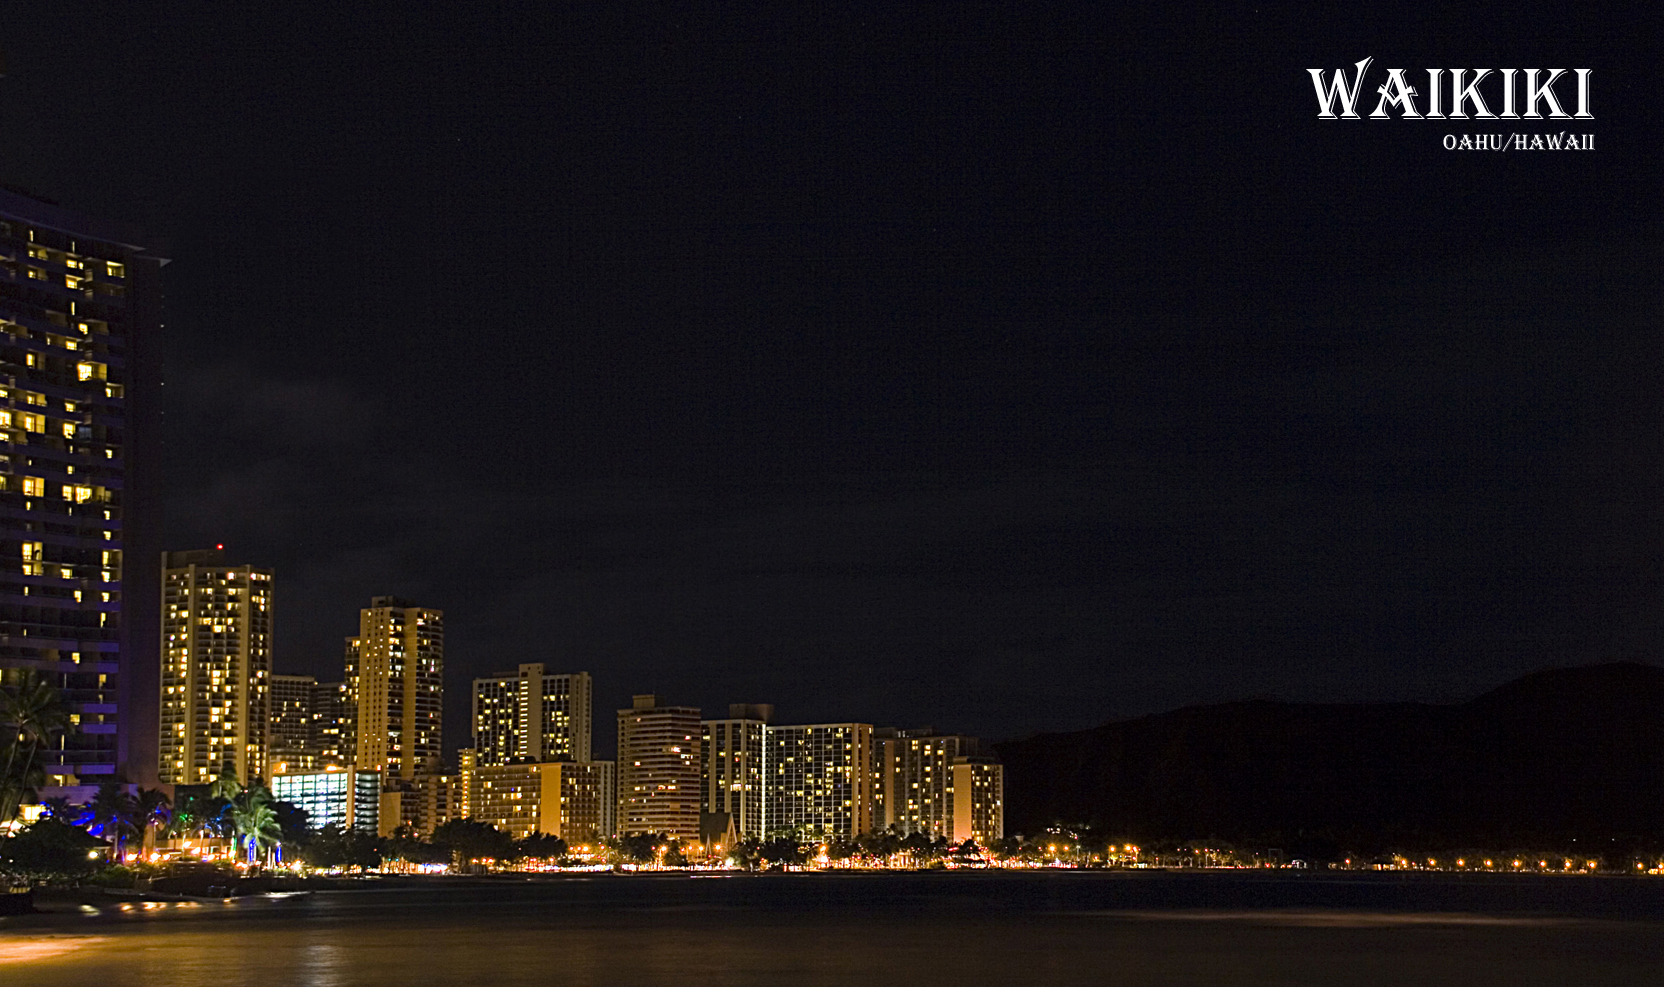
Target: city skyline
(999,384)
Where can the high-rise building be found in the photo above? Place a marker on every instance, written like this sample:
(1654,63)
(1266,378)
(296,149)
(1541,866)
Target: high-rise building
(466,767)
(658,769)
(607,778)
(731,772)
(559,798)
(938,785)
(978,800)
(818,779)
(331,717)
(216,668)
(913,779)
(394,676)
(532,715)
(79,310)
(294,744)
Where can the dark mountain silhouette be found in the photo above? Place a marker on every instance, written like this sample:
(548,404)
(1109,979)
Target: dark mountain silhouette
(1574,753)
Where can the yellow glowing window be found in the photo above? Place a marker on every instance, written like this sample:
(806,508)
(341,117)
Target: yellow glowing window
(89,371)
(37,252)
(5,418)
(34,486)
(69,430)
(78,493)
(71,281)
(116,270)
(31,550)
(74,263)
(34,423)
(37,274)
(31,397)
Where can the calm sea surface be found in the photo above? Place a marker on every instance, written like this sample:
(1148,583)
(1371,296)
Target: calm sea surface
(915,930)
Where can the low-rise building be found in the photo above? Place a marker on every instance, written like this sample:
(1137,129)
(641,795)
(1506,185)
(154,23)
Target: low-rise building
(346,797)
(556,798)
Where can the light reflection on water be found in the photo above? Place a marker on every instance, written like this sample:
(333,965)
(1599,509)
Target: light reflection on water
(883,930)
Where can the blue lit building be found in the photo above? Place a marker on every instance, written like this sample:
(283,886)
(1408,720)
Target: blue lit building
(79,596)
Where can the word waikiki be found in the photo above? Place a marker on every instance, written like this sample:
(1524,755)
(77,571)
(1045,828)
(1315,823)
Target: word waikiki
(1465,91)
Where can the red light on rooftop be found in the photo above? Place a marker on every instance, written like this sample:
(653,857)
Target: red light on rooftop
(220,547)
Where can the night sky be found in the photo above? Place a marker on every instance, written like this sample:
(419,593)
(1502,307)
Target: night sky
(1004,368)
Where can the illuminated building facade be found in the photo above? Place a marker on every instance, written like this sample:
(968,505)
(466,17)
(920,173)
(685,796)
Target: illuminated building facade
(818,779)
(913,779)
(422,804)
(466,763)
(731,771)
(607,779)
(658,769)
(558,798)
(331,717)
(938,785)
(396,688)
(978,800)
(532,715)
(79,310)
(216,669)
(346,798)
(292,736)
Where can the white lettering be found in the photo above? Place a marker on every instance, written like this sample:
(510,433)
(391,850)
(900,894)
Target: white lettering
(1397,92)
(1468,94)
(1337,90)
(1535,94)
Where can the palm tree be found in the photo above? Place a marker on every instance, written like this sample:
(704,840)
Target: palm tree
(33,714)
(112,815)
(225,784)
(254,821)
(155,812)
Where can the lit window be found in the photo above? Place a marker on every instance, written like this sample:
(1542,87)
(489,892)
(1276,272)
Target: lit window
(34,486)
(89,371)
(37,274)
(69,430)
(115,270)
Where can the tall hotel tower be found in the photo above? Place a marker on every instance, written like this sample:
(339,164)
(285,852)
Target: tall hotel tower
(658,769)
(79,306)
(732,769)
(532,715)
(395,685)
(216,669)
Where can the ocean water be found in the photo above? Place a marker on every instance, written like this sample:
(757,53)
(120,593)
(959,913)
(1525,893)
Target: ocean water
(917,930)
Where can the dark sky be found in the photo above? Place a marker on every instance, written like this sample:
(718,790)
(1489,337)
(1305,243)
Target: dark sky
(999,367)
